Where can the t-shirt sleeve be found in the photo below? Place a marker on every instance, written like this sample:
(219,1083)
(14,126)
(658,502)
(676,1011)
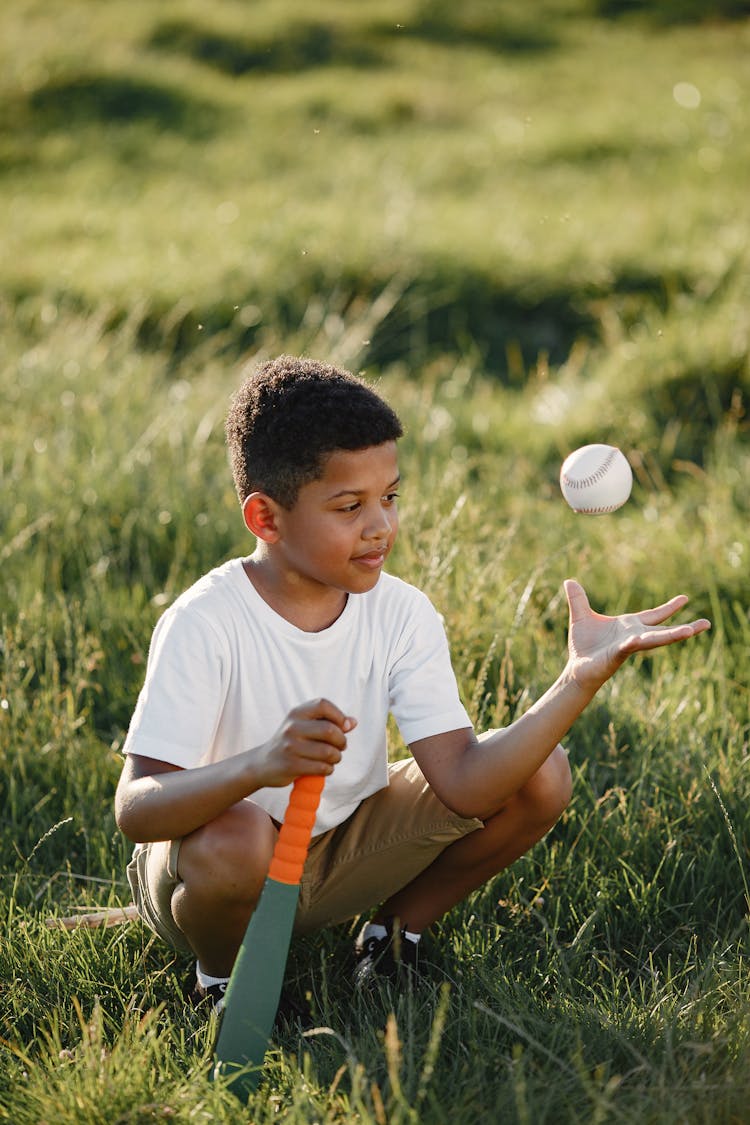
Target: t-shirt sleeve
(179,706)
(423,693)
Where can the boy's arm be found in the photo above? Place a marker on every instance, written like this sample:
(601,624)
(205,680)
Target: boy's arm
(159,801)
(478,778)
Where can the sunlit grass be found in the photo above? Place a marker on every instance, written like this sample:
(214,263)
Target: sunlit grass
(561,172)
(611,958)
(532,239)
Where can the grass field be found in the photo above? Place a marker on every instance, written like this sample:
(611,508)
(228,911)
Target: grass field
(530,224)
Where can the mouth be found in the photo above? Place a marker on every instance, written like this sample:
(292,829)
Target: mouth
(372,560)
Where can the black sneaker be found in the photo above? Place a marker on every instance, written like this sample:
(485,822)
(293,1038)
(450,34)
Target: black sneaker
(212,996)
(385,958)
(289,1011)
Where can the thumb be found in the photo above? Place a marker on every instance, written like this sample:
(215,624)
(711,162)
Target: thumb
(578,603)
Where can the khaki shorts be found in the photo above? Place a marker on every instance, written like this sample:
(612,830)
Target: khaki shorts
(384,844)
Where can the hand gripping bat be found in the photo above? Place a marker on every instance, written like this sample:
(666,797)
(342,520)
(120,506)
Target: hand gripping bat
(252,996)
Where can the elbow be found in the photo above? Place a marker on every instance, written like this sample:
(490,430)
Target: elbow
(124,824)
(461,804)
(458,796)
(469,810)
(465,801)
(126,820)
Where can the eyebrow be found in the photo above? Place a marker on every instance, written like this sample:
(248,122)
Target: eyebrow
(361,491)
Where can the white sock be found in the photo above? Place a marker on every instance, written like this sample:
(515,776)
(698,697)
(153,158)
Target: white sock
(375,930)
(205,980)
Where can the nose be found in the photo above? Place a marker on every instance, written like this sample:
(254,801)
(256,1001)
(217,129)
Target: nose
(380,523)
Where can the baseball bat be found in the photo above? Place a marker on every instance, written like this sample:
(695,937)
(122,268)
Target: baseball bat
(252,996)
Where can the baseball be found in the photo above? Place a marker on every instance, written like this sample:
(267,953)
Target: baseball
(596,479)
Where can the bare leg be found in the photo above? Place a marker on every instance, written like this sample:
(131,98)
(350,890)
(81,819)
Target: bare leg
(223,866)
(472,860)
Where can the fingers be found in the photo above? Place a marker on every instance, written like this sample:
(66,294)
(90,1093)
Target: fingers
(578,602)
(658,638)
(323,709)
(580,606)
(661,612)
(315,737)
(320,730)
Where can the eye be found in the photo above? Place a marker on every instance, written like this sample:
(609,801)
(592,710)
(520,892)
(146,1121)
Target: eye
(349,507)
(391,497)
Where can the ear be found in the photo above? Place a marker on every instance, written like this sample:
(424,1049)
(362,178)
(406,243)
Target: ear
(259,514)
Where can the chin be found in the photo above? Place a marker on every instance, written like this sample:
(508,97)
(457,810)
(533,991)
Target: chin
(365,583)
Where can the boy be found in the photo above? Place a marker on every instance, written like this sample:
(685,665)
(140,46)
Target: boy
(289,661)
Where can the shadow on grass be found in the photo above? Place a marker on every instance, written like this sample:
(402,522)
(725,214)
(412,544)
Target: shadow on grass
(119,99)
(302,46)
(505,321)
(668,12)
(694,402)
(507,327)
(595,152)
(502,28)
(510,324)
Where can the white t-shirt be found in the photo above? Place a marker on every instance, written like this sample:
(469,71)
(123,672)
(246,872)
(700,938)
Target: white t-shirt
(224,670)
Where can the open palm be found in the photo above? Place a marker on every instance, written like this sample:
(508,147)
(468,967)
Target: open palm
(598,644)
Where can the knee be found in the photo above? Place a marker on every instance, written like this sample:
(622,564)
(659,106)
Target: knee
(547,794)
(230,854)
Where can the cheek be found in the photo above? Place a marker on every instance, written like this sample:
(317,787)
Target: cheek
(331,537)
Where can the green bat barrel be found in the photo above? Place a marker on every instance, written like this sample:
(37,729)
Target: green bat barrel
(252,996)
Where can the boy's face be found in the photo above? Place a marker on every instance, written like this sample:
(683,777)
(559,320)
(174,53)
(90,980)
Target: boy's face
(343,525)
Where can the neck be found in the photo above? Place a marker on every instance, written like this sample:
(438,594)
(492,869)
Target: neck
(311,611)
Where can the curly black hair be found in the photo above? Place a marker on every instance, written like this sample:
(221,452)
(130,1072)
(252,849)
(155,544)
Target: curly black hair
(290,415)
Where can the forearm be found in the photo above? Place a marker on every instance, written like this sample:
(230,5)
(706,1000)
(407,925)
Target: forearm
(476,778)
(168,805)
(159,801)
(492,770)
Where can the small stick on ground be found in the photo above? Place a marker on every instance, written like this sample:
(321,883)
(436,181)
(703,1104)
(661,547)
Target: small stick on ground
(111,916)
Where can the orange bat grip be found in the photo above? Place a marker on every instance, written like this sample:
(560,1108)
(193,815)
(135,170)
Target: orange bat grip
(290,852)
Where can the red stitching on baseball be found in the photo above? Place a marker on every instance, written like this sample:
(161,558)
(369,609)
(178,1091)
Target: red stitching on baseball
(584,482)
